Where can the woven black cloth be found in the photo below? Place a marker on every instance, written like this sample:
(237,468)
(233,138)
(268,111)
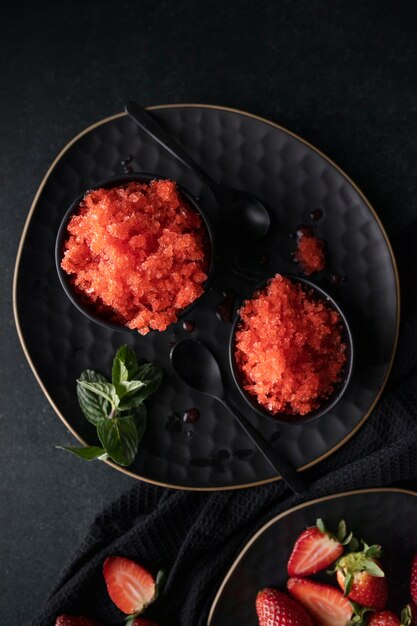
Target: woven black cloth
(195,536)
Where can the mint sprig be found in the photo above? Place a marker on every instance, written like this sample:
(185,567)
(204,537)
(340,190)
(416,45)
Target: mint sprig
(88,453)
(116,408)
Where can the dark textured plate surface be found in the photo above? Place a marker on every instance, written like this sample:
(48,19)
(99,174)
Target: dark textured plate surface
(384,516)
(293,179)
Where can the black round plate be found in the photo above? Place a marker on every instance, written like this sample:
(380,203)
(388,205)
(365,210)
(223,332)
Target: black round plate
(294,179)
(383,516)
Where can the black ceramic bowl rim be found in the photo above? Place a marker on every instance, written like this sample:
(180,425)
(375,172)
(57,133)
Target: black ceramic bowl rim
(114,181)
(335,397)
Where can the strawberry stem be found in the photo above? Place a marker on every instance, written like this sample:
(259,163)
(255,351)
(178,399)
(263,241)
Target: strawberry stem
(406,616)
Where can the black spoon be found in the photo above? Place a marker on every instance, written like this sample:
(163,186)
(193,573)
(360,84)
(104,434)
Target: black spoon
(253,218)
(197,366)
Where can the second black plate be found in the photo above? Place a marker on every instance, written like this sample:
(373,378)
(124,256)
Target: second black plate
(383,516)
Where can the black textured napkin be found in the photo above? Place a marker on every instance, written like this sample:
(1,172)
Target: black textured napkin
(196,536)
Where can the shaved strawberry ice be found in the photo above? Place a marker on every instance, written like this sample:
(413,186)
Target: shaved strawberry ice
(138,254)
(289,348)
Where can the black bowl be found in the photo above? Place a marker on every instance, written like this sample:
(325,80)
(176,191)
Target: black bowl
(83,306)
(338,392)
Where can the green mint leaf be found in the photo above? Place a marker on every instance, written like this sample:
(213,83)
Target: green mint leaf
(120,373)
(133,398)
(128,388)
(139,415)
(151,375)
(125,387)
(134,392)
(88,453)
(124,356)
(131,402)
(141,420)
(119,437)
(93,406)
(103,389)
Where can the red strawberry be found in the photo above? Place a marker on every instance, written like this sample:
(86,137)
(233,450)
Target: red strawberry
(75,620)
(413,580)
(275,608)
(360,576)
(388,618)
(384,618)
(130,586)
(326,605)
(315,550)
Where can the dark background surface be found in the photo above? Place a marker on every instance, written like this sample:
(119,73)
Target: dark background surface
(340,74)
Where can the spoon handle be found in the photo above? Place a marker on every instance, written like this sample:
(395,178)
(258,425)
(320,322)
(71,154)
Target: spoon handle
(150,126)
(288,473)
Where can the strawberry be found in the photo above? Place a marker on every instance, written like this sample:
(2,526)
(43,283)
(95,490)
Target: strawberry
(316,549)
(384,618)
(130,586)
(413,580)
(326,605)
(75,620)
(275,608)
(360,576)
(388,618)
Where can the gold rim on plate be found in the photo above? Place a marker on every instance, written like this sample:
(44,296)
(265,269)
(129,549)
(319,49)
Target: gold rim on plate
(274,125)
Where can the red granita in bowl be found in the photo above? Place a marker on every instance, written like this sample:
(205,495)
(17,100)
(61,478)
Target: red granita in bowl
(289,348)
(137,253)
